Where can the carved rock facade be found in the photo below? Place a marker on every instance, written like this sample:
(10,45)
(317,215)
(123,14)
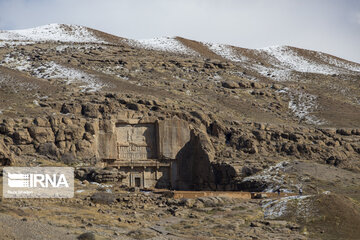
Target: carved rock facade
(148,153)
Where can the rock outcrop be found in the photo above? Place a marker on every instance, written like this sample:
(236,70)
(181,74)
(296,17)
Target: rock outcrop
(6,157)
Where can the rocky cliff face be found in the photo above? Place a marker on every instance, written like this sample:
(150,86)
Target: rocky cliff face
(214,155)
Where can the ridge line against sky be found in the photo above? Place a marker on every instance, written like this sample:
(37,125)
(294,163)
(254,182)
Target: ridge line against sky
(331,26)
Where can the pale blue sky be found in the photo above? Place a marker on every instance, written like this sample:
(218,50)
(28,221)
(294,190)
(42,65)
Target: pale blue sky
(331,26)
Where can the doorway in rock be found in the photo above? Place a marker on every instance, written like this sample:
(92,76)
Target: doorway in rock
(137,182)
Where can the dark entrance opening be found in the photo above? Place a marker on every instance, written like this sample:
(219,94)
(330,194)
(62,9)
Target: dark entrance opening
(137,182)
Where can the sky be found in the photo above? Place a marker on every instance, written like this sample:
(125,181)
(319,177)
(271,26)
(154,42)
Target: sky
(331,26)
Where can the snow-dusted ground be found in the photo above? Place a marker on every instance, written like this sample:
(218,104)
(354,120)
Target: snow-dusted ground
(303,104)
(277,73)
(88,46)
(52,70)
(226,52)
(272,176)
(338,63)
(277,208)
(285,62)
(291,60)
(20,63)
(51,32)
(8,44)
(118,71)
(166,44)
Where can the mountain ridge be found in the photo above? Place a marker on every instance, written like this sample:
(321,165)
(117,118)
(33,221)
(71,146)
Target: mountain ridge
(310,79)
(85,35)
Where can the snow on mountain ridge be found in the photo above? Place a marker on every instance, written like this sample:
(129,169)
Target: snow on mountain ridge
(51,32)
(226,52)
(290,59)
(166,44)
(281,62)
(287,58)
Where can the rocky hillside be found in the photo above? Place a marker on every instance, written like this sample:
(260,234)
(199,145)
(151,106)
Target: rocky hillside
(256,104)
(262,118)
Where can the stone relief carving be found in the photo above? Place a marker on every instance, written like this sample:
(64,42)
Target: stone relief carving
(136,142)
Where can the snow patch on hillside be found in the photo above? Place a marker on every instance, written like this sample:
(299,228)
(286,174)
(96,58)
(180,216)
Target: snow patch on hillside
(276,73)
(273,177)
(277,208)
(11,44)
(290,59)
(165,44)
(70,47)
(52,70)
(51,32)
(20,63)
(339,63)
(303,105)
(226,52)
(118,71)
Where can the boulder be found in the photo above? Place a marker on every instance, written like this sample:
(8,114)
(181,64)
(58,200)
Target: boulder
(133,106)
(27,149)
(6,157)
(73,108)
(49,149)
(344,131)
(55,121)
(256,85)
(276,86)
(6,128)
(201,116)
(90,128)
(41,122)
(244,84)
(88,137)
(42,134)
(260,135)
(90,110)
(230,84)
(355,131)
(60,135)
(22,136)
(103,198)
(216,129)
(87,236)
(73,132)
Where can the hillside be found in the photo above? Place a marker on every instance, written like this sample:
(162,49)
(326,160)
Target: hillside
(315,88)
(249,110)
